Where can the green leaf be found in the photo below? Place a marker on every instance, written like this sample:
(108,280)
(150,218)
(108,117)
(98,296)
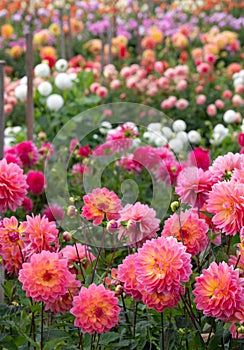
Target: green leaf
(108,338)
(8,343)
(55,344)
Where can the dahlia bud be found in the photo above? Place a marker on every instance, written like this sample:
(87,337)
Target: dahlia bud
(71,211)
(112,226)
(119,290)
(174,206)
(67,236)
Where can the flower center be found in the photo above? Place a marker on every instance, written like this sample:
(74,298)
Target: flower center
(47,276)
(98,311)
(13,236)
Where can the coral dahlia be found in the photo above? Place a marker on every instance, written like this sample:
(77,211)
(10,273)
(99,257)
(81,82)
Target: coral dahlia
(96,309)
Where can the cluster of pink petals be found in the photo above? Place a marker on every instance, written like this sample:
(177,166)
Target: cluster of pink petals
(193,186)
(126,274)
(13,186)
(219,291)
(101,203)
(39,234)
(46,277)
(160,301)
(138,222)
(188,228)
(53,212)
(95,309)
(36,181)
(64,302)
(223,166)
(77,254)
(162,264)
(128,163)
(28,153)
(226,203)
(11,245)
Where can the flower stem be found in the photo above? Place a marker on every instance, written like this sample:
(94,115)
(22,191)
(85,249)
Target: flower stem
(42,323)
(162,330)
(134,321)
(126,315)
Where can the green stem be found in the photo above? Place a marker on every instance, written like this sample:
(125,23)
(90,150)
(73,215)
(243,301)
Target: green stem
(162,330)
(134,321)
(42,323)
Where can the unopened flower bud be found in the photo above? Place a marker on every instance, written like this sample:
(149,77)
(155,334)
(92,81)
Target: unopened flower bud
(174,206)
(67,236)
(71,211)
(112,226)
(119,290)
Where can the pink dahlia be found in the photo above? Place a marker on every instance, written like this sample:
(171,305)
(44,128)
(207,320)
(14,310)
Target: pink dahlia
(223,166)
(129,164)
(46,277)
(39,234)
(219,291)
(200,157)
(100,203)
(36,181)
(96,309)
(11,245)
(193,186)
(27,204)
(138,222)
(126,275)
(189,229)
(53,212)
(160,301)
(28,153)
(13,186)
(162,264)
(147,156)
(226,203)
(76,255)
(64,302)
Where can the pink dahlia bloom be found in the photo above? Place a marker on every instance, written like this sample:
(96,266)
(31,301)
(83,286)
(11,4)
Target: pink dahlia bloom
(223,166)
(226,203)
(238,175)
(96,309)
(46,277)
(162,264)
(36,181)
(76,255)
(189,229)
(101,203)
(126,275)
(200,157)
(27,204)
(13,186)
(11,245)
(28,153)
(160,301)
(168,171)
(219,291)
(193,186)
(138,222)
(129,164)
(46,150)
(64,302)
(147,156)
(39,234)
(53,212)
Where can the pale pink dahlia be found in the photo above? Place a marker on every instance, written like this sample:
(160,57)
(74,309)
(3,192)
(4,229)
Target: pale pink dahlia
(193,185)
(223,166)
(226,203)
(13,186)
(100,203)
(188,228)
(45,277)
(138,222)
(219,291)
(11,245)
(126,274)
(96,309)
(39,234)
(76,255)
(162,264)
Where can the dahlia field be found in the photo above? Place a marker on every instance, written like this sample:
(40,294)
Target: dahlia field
(121,175)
